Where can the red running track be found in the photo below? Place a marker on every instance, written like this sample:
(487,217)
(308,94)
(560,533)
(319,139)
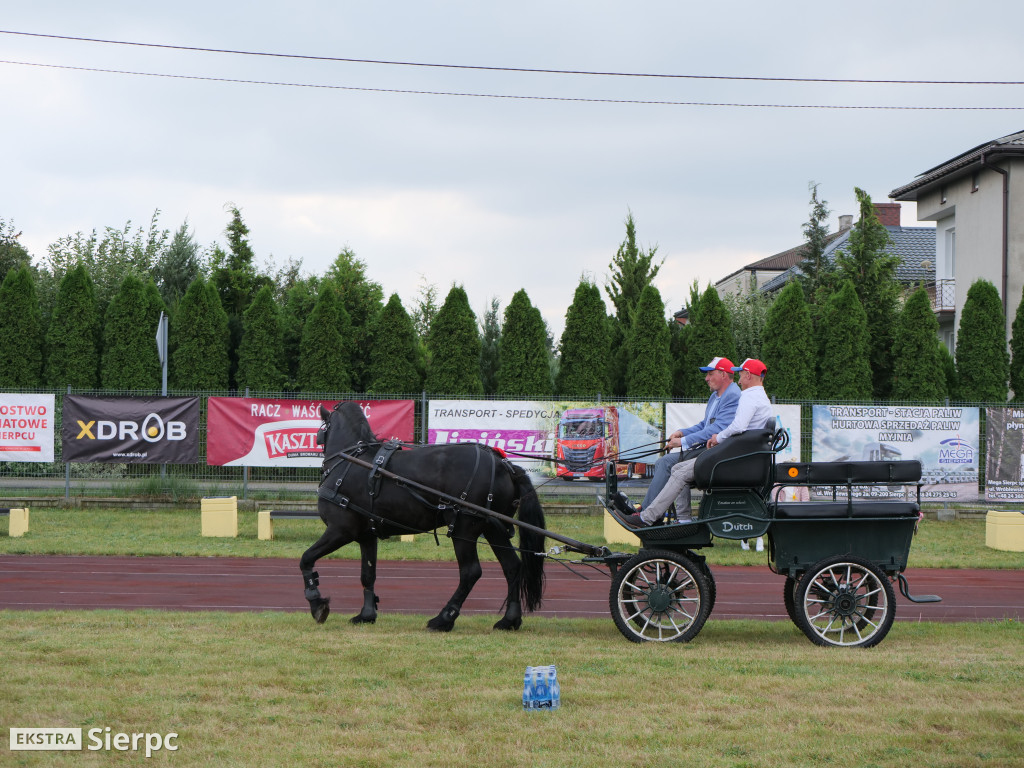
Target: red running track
(29,582)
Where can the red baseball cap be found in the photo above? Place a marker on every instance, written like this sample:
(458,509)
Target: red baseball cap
(719,364)
(750,365)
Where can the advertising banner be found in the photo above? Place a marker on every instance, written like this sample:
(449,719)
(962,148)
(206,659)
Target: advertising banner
(257,432)
(787,417)
(582,435)
(1004,469)
(131,430)
(26,427)
(944,439)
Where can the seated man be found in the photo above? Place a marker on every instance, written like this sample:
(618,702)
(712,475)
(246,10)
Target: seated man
(754,411)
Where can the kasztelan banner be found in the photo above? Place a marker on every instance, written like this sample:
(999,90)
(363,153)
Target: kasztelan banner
(944,439)
(582,435)
(26,427)
(1004,468)
(131,430)
(787,418)
(255,432)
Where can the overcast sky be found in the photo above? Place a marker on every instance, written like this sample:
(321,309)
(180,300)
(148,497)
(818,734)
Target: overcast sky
(494,193)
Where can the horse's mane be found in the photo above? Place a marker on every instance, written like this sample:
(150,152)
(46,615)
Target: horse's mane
(346,426)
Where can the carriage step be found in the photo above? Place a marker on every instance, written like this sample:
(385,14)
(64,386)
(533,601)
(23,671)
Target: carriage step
(905,591)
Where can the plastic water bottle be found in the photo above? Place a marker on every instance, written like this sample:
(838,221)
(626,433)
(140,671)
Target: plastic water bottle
(540,688)
(528,689)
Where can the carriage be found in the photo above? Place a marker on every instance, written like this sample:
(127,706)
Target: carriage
(839,557)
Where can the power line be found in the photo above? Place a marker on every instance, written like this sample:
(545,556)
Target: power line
(306,57)
(503,96)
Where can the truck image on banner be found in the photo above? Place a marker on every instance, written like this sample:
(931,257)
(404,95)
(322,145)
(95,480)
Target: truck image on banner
(131,430)
(256,432)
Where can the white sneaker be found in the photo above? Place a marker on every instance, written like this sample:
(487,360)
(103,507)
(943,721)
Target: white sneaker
(760,544)
(744,545)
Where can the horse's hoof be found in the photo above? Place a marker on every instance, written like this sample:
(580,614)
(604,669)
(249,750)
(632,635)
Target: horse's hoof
(361,619)
(320,609)
(440,627)
(508,624)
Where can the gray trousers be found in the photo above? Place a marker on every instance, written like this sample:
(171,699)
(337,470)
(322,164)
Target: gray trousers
(662,470)
(676,489)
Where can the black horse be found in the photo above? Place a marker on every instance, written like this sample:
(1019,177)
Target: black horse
(358,504)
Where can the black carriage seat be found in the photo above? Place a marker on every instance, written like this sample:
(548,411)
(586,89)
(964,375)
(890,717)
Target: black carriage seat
(742,461)
(858,509)
(848,473)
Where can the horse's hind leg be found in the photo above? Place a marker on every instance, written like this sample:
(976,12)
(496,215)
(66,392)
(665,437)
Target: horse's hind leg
(368,576)
(331,539)
(511,566)
(469,573)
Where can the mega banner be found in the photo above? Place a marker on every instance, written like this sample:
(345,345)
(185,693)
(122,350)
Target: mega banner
(131,430)
(1004,444)
(255,432)
(26,427)
(582,436)
(787,417)
(944,439)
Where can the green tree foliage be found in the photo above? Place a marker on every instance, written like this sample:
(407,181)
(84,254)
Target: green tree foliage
(948,369)
(325,354)
(490,348)
(177,266)
(845,373)
(650,365)
(1017,354)
(789,349)
(866,262)
(917,368)
(261,354)
(454,348)
(21,331)
(299,301)
(72,340)
(982,363)
(711,336)
(200,330)
(524,369)
(394,357)
(817,274)
(748,314)
(12,254)
(362,300)
(130,359)
(584,346)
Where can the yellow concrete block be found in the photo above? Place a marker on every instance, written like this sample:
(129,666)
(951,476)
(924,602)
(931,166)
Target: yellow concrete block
(616,534)
(18,523)
(1005,531)
(408,537)
(264,525)
(220,516)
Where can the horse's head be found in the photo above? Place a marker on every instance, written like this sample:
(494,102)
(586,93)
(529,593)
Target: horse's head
(343,427)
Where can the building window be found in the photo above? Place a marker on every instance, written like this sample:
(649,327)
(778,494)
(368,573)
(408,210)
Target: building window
(949,257)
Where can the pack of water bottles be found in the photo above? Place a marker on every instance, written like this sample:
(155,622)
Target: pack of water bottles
(540,688)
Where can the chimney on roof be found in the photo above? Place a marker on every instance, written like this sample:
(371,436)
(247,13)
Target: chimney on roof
(845,221)
(888,214)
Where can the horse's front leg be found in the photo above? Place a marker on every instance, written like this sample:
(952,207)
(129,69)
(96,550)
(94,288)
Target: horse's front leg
(332,539)
(368,577)
(511,566)
(469,574)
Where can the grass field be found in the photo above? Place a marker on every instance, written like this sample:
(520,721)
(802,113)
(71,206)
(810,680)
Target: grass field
(277,690)
(957,544)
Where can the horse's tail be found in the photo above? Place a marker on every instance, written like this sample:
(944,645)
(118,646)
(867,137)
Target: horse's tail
(531,543)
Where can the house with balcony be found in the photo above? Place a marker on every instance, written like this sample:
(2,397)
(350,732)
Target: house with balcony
(976,200)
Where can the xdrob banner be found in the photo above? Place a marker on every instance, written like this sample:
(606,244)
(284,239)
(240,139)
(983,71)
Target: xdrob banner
(131,430)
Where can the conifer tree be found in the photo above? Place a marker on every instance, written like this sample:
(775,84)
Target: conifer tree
(711,337)
(260,355)
(299,301)
(200,330)
(650,368)
(817,274)
(71,340)
(490,348)
(130,360)
(789,350)
(982,363)
(324,361)
(21,331)
(454,348)
(917,367)
(1017,354)
(948,370)
(524,369)
(394,356)
(362,300)
(844,372)
(584,345)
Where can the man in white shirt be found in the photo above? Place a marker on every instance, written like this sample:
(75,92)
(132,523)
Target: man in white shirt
(753,412)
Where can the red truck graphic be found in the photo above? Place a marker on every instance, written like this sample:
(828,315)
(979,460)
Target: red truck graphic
(588,438)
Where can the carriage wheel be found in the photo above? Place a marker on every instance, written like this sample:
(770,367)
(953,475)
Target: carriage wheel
(845,601)
(789,598)
(660,596)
